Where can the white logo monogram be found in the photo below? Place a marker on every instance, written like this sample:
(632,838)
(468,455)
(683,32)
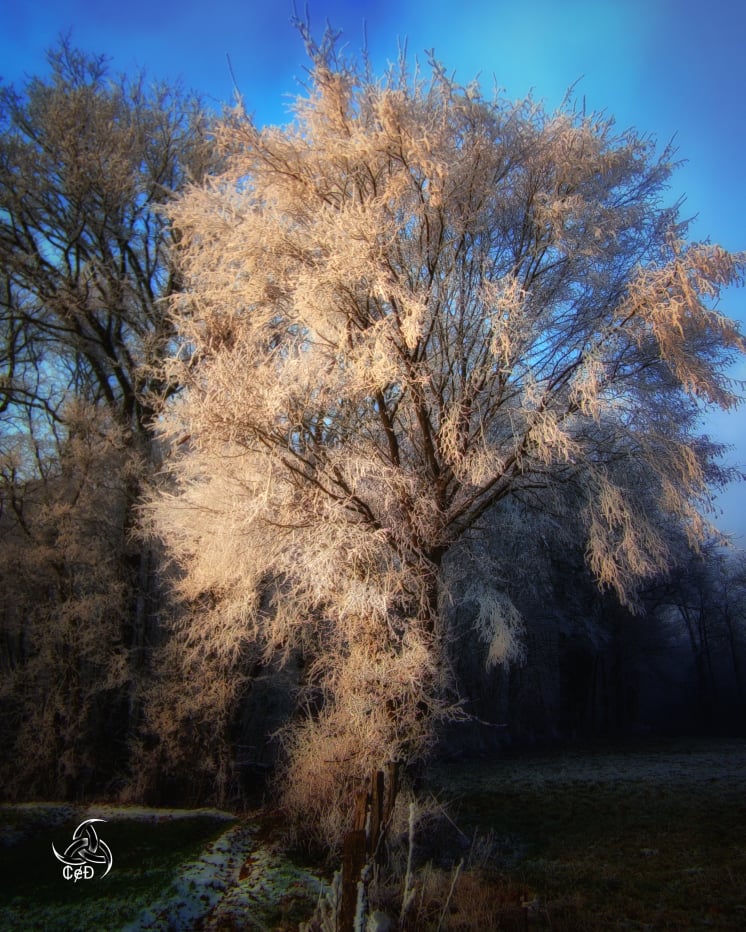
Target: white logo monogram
(86,853)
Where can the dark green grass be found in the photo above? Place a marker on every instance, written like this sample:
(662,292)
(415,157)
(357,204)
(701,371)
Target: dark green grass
(33,894)
(647,839)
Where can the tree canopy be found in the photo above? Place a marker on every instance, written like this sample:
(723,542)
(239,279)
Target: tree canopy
(401,310)
(86,159)
(427,369)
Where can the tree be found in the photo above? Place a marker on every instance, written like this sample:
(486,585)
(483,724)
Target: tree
(67,663)
(401,310)
(86,162)
(703,600)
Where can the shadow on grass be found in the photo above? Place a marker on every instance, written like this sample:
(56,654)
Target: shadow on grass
(648,839)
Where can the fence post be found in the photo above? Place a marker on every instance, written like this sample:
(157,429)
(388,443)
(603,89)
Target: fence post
(364,843)
(353,864)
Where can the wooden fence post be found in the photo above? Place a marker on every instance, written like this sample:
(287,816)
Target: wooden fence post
(373,808)
(353,864)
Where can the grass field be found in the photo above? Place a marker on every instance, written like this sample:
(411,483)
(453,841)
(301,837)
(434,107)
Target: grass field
(647,838)
(148,847)
(172,870)
(644,838)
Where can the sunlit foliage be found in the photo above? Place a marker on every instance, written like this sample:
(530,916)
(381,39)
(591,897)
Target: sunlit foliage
(407,306)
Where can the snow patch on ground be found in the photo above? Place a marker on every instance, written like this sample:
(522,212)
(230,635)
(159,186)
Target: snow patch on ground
(269,884)
(238,881)
(235,880)
(200,884)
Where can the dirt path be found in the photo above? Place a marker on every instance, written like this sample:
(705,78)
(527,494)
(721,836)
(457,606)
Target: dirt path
(237,882)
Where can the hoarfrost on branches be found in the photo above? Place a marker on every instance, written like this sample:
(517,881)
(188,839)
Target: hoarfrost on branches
(403,309)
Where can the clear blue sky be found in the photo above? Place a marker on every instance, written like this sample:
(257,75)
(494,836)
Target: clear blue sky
(671,68)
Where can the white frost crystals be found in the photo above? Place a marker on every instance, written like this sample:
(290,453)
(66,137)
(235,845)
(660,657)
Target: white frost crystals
(410,308)
(498,623)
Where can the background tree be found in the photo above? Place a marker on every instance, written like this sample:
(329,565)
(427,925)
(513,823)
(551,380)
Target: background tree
(402,310)
(86,162)
(67,667)
(703,601)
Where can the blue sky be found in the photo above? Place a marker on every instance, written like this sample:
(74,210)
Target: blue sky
(671,68)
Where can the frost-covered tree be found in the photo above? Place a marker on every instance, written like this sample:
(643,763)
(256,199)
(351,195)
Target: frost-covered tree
(86,161)
(67,663)
(405,307)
